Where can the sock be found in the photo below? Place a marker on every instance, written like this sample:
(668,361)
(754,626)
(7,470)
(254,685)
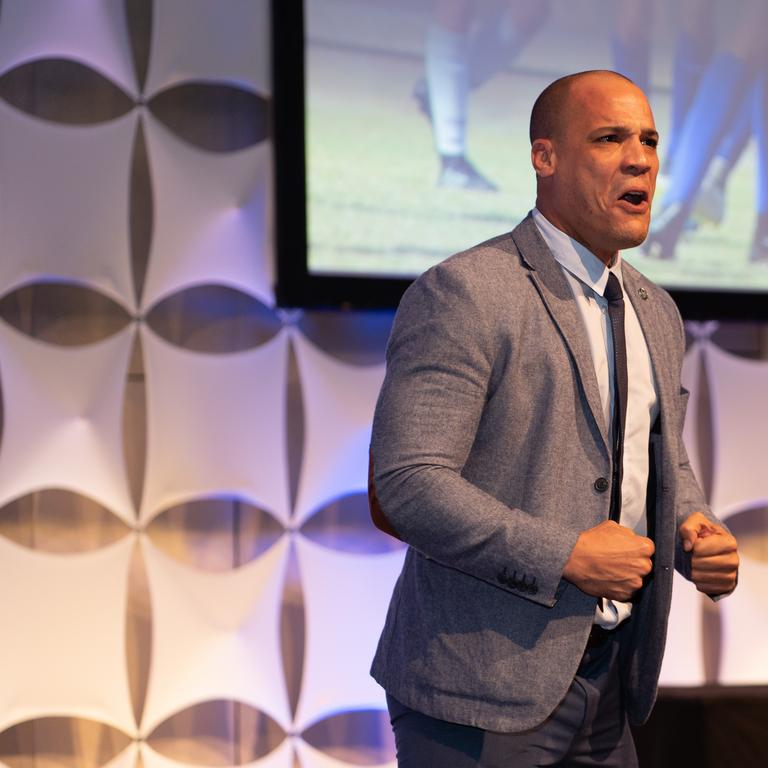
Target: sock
(690,61)
(632,60)
(721,90)
(447,76)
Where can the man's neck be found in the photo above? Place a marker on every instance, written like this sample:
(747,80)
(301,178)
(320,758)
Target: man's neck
(607,257)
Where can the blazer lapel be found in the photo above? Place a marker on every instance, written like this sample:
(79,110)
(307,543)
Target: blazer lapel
(655,331)
(557,296)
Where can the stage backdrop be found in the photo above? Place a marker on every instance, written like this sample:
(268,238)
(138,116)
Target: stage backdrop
(187,572)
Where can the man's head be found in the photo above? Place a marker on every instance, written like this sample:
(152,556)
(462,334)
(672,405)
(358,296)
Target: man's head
(593,147)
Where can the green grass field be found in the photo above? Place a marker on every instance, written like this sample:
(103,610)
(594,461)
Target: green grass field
(375,209)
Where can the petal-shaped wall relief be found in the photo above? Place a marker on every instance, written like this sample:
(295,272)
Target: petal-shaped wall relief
(683,661)
(215,636)
(67,218)
(200,40)
(361,736)
(744,655)
(67,742)
(63,419)
(64,314)
(213,319)
(338,409)
(740,429)
(213,116)
(63,651)
(309,757)
(64,91)
(212,217)
(217,732)
(355,337)
(213,534)
(60,522)
(346,598)
(690,377)
(93,32)
(345,525)
(282,757)
(216,425)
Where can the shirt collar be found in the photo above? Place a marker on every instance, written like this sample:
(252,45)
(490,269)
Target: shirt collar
(573,256)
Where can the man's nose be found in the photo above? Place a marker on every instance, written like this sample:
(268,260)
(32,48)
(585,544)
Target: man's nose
(638,158)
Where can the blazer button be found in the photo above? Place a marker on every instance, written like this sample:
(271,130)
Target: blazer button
(601,485)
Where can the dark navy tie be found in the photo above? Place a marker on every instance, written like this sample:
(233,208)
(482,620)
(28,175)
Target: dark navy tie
(615,297)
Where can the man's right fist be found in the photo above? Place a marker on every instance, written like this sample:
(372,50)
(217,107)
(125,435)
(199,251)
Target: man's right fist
(610,561)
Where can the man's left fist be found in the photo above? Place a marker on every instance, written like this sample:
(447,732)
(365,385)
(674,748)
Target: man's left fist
(714,555)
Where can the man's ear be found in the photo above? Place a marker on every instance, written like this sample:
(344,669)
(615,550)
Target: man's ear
(543,157)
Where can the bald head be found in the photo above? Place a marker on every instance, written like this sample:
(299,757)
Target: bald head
(550,110)
(593,148)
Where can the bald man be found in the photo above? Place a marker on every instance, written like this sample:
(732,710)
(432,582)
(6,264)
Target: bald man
(545,502)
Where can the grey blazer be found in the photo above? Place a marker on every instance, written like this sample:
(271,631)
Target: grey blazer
(489,451)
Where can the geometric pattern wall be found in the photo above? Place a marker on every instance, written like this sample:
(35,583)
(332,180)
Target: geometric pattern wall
(186,561)
(183,543)
(725,434)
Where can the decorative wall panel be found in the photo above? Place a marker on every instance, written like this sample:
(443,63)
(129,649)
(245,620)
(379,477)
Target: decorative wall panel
(346,599)
(126,759)
(67,219)
(223,41)
(93,32)
(211,222)
(683,660)
(63,422)
(740,428)
(310,757)
(216,425)
(65,654)
(282,757)
(338,407)
(745,627)
(215,635)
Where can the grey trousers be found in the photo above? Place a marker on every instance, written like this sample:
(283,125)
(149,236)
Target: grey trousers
(588,728)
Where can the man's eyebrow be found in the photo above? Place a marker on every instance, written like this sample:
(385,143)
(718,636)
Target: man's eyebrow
(623,130)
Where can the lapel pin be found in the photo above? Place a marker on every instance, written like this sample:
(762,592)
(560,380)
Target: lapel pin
(642,293)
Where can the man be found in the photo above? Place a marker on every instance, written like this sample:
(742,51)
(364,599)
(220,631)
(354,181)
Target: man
(527,628)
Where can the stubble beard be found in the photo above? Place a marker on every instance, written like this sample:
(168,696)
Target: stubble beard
(632,237)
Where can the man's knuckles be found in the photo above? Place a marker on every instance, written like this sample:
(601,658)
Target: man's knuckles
(646,566)
(625,591)
(718,544)
(709,574)
(719,562)
(647,547)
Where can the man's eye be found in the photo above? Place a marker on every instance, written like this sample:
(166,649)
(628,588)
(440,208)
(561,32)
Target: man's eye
(651,142)
(609,137)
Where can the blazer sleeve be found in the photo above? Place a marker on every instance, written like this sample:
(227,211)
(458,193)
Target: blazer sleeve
(440,362)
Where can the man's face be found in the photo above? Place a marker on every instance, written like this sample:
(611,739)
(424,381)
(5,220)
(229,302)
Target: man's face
(601,176)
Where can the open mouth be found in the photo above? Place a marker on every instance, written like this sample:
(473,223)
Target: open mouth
(635,197)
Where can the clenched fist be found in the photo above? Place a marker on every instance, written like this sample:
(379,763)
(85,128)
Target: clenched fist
(610,561)
(714,555)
